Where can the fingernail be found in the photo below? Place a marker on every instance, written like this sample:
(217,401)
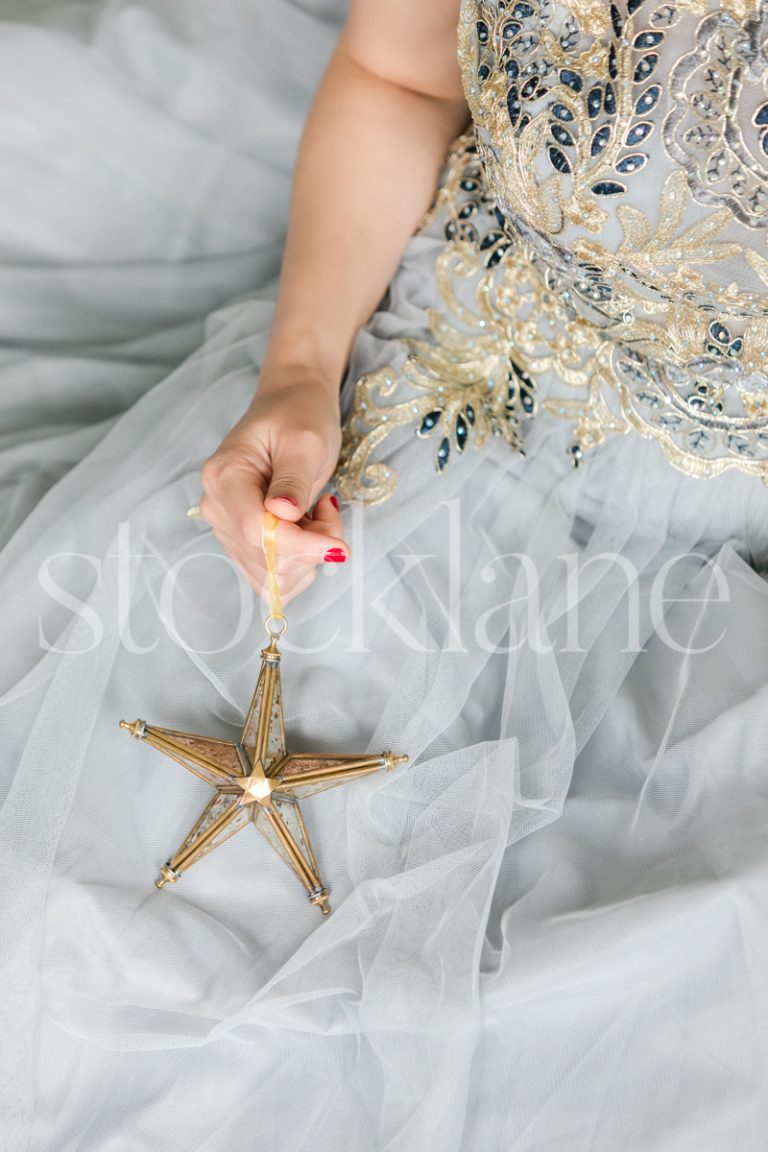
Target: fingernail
(288,500)
(335,556)
(335,503)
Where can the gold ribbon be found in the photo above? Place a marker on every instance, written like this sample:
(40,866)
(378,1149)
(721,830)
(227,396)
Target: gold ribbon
(275,622)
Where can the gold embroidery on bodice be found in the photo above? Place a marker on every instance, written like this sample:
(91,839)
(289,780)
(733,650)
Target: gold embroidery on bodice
(608,252)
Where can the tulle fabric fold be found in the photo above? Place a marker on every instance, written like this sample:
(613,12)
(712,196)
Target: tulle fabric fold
(547,928)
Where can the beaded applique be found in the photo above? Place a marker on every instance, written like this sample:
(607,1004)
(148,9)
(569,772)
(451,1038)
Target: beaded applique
(718,127)
(464,385)
(619,282)
(645,198)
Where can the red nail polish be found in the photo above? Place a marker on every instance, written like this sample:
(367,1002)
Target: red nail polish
(288,500)
(335,556)
(335,503)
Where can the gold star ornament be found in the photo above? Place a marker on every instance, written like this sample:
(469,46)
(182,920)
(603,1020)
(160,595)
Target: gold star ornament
(257,781)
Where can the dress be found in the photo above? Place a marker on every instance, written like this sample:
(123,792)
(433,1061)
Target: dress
(548,928)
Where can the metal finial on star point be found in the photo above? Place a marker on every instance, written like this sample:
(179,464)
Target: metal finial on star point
(167,876)
(138,729)
(319,898)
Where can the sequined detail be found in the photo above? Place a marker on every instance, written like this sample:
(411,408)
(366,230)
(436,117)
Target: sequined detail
(615,240)
(648,211)
(718,127)
(464,385)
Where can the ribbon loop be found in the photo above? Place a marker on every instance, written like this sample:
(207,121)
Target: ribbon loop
(275,623)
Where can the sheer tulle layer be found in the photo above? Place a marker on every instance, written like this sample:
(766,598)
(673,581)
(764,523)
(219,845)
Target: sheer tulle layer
(545,928)
(145,157)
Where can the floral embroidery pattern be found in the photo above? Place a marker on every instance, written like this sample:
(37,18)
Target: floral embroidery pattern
(464,385)
(603,234)
(718,127)
(572,109)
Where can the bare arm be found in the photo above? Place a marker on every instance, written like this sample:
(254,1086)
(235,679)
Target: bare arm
(376,138)
(388,108)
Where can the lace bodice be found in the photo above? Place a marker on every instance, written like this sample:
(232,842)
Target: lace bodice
(627,146)
(605,234)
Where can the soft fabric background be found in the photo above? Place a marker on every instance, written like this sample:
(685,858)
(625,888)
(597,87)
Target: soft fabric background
(145,162)
(549,930)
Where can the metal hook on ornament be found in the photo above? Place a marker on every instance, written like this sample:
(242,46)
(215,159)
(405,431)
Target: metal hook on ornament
(276,625)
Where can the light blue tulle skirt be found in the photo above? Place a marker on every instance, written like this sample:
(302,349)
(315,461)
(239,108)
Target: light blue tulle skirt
(549,929)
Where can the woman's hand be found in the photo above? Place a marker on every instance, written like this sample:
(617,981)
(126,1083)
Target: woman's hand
(279,457)
(394,68)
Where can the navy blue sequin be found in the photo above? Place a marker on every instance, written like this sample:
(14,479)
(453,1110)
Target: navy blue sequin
(513,104)
(462,432)
(631,163)
(558,159)
(616,21)
(429,423)
(639,132)
(608,188)
(443,453)
(490,239)
(645,67)
(561,135)
(647,39)
(572,79)
(647,100)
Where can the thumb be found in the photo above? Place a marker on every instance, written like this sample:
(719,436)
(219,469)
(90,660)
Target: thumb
(290,490)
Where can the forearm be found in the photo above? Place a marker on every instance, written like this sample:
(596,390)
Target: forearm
(376,139)
(367,169)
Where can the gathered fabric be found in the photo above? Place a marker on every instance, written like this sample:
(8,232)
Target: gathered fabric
(547,928)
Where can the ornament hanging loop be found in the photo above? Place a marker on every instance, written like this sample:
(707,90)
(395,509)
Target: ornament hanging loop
(276,625)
